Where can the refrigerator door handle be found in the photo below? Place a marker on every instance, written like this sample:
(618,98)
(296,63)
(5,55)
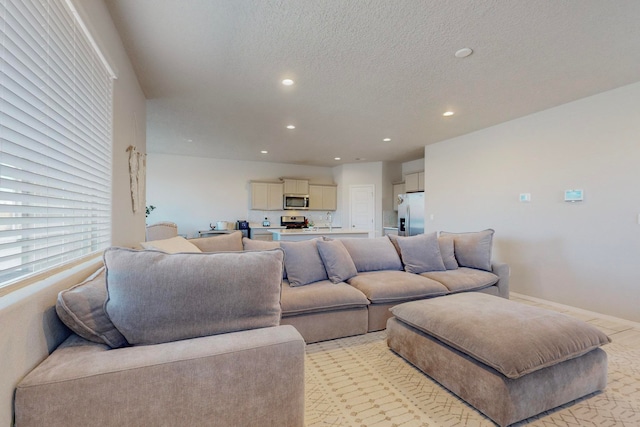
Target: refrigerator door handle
(408,226)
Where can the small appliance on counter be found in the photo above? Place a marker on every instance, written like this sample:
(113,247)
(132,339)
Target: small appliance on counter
(243,226)
(266,222)
(293,222)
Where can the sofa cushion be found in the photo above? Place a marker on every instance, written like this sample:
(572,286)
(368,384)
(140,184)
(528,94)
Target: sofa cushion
(514,339)
(303,263)
(172,245)
(391,286)
(155,297)
(320,296)
(447,252)
(259,245)
(373,254)
(420,253)
(231,242)
(336,260)
(81,308)
(473,249)
(463,279)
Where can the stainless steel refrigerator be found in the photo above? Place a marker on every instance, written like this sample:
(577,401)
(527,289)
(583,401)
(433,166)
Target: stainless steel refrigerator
(410,214)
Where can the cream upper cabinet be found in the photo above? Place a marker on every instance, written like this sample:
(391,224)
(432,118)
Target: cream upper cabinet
(266,196)
(414,182)
(398,189)
(296,186)
(323,197)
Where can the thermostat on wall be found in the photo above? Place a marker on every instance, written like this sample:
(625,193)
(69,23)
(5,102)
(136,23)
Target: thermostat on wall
(573,195)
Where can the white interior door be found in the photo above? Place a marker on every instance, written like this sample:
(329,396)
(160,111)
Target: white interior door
(362,207)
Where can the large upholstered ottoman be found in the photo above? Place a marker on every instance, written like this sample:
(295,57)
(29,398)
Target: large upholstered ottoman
(508,360)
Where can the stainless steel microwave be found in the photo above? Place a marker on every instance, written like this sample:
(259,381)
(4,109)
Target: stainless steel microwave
(296,202)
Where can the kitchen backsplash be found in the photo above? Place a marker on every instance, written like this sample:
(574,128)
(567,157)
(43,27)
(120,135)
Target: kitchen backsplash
(319,219)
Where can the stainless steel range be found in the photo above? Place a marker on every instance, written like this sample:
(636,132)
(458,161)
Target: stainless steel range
(293,221)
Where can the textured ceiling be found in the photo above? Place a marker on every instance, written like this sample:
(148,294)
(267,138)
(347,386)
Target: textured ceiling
(364,70)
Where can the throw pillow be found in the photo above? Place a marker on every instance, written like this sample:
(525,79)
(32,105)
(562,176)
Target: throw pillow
(155,297)
(81,308)
(337,261)
(447,251)
(303,263)
(373,254)
(473,250)
(421,253)
(172,245)
(231,242)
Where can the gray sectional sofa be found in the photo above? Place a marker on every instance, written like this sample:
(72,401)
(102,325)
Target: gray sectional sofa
(173,337)
(326,309)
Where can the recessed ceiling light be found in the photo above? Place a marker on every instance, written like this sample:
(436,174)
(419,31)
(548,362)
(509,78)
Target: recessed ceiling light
(387,139)
(287,82)
(464,52)
(336,158)
(448,113)
(291,127)
(189,140)
(264,151)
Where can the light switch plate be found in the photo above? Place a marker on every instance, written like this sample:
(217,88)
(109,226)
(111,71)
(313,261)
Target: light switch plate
(525,197)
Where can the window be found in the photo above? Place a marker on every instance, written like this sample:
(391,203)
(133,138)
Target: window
(55,139)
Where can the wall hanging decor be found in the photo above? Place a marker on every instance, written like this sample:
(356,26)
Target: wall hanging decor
(137,175)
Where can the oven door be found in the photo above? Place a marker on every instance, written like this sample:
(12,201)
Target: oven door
(296,202)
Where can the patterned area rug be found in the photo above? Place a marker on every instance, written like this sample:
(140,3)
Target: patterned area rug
(358,381)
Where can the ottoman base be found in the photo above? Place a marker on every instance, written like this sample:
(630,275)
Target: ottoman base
(502,399)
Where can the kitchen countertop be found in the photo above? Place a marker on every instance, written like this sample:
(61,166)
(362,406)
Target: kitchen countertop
(294,235)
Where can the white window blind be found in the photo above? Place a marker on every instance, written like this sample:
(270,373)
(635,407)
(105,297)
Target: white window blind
(55,139)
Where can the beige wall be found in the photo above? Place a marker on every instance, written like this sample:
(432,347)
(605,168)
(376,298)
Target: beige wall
(582,254)
(195,191)
(30,329)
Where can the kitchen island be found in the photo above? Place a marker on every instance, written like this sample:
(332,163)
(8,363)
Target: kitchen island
(293,235)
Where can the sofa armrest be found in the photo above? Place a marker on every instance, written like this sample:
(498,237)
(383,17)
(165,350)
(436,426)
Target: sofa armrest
(503,271)
(247,378)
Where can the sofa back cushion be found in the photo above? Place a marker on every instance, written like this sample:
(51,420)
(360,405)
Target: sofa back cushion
(420,253)
(154,297)
(336,260)
(171,245)
(373,254)
(447,252)
(473,250)
(81,308)
(259,245)
(231,242)
(303,263)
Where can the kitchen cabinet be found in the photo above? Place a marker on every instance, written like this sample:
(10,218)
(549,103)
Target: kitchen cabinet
(323,197)
(414,182)
(266,196)
(296,186)
(260,234)
(398,189)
